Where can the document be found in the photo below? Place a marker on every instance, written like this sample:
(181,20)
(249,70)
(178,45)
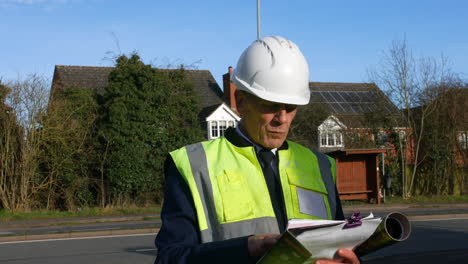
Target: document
(305,241)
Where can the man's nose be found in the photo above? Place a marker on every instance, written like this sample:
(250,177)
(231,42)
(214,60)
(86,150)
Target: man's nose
(281,115)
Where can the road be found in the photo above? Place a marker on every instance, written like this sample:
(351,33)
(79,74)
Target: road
(431,241)
(113,249)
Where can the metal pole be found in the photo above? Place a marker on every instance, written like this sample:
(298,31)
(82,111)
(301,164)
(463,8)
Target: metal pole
(258,19)
(384,178)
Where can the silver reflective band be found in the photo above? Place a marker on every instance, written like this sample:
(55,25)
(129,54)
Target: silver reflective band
(256,226)
(199,166)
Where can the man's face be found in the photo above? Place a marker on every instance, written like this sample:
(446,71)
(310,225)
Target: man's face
(266,123)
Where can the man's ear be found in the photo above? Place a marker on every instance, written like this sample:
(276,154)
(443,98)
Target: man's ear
(240,101)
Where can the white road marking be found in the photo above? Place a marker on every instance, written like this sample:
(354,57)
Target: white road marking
(437,219)
(145,249)
(73,238)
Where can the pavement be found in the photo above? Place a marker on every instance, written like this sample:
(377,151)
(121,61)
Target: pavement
(37,229)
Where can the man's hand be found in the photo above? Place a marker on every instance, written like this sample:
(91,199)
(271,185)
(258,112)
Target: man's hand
(259,245)
(348,256)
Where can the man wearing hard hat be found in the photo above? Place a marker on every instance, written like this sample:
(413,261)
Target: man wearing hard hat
(227,200)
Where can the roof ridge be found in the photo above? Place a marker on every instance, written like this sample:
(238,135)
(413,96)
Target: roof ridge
(109,67)
(353,83)
(78,66)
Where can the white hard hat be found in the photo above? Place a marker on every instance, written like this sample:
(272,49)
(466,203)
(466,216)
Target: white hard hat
(274,69)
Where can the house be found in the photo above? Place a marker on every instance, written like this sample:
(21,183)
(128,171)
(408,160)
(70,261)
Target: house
(354,110)
(215,115)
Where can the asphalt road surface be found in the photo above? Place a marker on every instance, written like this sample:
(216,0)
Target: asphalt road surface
(432,241)
(113,249)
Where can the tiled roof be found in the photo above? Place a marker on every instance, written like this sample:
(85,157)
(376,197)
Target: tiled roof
(97,78)
(81,76)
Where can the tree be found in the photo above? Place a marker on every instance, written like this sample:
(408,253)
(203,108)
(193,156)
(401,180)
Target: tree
(411,83)
(69,149)
(23,104)
(10,140)
(445,165)
(145,113)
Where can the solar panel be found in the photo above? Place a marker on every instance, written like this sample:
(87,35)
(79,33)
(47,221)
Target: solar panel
(315,97)
(361,108)
(337,96)
(346,96)
(328,97)
(367,108)
(338,108)
(371,96)
(345,107)
(342,96)
(362,97)
(353,102)
(323,97)
(354,97)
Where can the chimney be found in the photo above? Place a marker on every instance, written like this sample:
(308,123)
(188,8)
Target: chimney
(229,89)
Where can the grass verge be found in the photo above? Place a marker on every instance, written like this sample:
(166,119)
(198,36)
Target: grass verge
(415,200)
(6,215)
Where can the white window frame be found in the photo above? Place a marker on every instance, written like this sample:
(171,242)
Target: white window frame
(217,128)
(332,138)
(214,129)
(331,133)
(462,139)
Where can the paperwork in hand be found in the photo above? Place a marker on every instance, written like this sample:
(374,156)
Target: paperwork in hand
(307,240)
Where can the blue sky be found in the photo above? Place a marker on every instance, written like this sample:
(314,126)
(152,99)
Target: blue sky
(340,39)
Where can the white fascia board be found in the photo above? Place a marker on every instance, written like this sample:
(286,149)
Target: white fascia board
(223,112)
(332,123)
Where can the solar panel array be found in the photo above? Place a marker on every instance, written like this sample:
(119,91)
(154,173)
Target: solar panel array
(348,102)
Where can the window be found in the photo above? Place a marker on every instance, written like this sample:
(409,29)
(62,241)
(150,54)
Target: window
(323,139)
(463,140)
(402,136)
(382,138)
(214,129)
(218,127)
(222,128)
(333,138)
(338,138)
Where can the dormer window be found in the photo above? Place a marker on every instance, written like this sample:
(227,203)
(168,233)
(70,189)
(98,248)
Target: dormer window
(220,120)
(330,134)
(333,138)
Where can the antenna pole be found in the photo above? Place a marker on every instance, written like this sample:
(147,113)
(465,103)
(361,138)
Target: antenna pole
(258,19)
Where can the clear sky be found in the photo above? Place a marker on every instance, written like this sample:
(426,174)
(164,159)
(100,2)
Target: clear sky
(340,39)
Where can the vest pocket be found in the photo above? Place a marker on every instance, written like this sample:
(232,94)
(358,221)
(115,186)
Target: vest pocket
(308,196)
(235,196)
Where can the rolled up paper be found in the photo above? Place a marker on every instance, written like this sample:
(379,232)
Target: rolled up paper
(395,227)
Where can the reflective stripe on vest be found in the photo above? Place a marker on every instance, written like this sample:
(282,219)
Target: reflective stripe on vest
(230,194)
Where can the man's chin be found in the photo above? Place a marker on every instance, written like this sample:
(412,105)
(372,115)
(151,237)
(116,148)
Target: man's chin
(274,143)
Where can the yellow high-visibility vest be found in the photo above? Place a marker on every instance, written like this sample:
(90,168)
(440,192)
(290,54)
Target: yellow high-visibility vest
(230,193)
